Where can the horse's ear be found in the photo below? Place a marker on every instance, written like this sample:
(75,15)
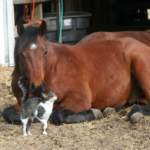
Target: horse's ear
(42,28)
(20,28)
(43,86)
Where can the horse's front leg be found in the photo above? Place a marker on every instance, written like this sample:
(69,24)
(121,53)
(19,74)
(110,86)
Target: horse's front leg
(75,111)
(12,114)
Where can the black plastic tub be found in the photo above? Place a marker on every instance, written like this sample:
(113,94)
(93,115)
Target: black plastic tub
(74,27)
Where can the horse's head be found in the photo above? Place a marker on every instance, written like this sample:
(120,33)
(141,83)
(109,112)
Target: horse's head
(31,54)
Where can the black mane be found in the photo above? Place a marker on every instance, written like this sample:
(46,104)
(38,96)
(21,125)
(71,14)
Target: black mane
(29,36)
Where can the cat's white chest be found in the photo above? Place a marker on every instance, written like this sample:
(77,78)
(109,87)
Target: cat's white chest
(48,110)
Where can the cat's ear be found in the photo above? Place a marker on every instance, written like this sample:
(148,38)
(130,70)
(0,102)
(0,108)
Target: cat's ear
(44,95)
(49,92)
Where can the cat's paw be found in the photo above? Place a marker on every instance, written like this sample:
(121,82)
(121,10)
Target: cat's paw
(29,133)
(45,133)
(24,134)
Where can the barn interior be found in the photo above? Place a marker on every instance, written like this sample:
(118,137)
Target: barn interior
(101,15)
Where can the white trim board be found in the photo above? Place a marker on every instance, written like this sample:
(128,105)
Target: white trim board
(11,39)
(3,32)
(6,33)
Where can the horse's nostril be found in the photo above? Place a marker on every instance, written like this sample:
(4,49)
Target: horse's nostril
(33,87)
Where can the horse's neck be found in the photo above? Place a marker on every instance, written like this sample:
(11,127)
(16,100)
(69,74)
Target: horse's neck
(57,50)
(56,55)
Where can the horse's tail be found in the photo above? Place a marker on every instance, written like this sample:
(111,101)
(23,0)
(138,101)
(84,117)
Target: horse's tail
(23,88)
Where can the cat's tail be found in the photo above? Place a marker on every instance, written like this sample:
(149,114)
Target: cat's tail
(23,88)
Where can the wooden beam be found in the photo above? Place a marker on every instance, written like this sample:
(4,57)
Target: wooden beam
(30,1)
(34,24)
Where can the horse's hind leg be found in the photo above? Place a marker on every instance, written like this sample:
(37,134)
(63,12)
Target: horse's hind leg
(137,112)
(108,111)
(140,68)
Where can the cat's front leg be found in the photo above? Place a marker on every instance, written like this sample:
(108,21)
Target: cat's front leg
(44,126)
(24,126)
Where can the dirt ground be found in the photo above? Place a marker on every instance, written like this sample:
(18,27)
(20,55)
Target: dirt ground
(113,132)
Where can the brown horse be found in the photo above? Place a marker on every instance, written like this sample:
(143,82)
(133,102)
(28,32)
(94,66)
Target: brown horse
(97,74)
(142,36)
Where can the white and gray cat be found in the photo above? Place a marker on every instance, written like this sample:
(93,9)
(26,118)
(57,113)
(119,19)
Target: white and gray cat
(34,107)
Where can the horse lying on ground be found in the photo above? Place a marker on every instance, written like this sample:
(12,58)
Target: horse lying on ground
(142,36)
(86,78)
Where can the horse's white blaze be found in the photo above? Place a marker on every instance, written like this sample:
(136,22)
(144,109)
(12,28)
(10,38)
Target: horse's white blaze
(33,46)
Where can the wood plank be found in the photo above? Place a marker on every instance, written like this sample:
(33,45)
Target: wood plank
(125,6)
(10,31)
(37,11)
(53,6)
(30,1)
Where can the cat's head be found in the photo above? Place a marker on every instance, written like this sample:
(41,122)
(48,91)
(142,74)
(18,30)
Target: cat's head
(52,97)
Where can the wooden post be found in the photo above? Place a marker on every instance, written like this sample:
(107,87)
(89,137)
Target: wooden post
(53,6)
(67,5)
(38,12)
(80,5)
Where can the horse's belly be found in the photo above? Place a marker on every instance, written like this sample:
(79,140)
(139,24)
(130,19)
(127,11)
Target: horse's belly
(113,96)
(113,85)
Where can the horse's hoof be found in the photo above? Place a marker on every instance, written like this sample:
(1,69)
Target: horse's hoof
(108,110)
(136,117)
(97,113)
(11,116)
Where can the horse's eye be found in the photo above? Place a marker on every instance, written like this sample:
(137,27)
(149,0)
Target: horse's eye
(22,55)
(45,53)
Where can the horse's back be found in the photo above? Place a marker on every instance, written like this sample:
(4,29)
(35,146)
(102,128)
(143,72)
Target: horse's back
(142,36)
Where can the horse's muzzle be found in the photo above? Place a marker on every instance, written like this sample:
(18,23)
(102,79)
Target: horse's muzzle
(37,90)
